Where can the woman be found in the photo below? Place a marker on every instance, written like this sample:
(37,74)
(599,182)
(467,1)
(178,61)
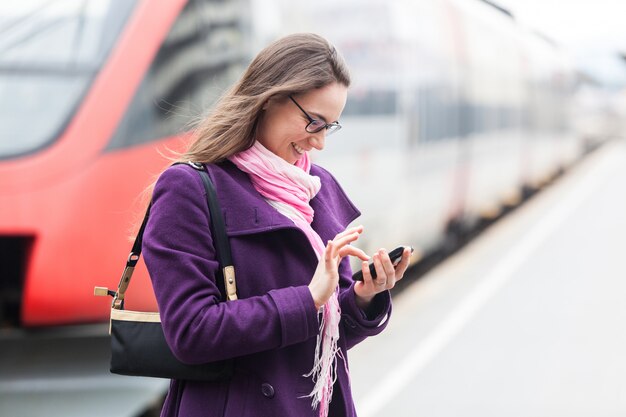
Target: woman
(298,310)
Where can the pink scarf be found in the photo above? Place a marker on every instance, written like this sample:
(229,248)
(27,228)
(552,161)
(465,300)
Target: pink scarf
(288,188)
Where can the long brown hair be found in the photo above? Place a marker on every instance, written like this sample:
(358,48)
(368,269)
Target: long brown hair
(293,64)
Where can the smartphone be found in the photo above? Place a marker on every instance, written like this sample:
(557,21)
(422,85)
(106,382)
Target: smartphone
(395,256)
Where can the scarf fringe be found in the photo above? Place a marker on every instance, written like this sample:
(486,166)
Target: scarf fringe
(324,372)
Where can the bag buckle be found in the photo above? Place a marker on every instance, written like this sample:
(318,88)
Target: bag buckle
(103,292)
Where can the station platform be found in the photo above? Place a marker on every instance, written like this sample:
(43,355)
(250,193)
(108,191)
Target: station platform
(529,319)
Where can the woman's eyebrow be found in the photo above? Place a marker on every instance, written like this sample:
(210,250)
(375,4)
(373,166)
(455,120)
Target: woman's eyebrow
(319,116)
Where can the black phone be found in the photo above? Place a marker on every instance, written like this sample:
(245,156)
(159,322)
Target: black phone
(395,256)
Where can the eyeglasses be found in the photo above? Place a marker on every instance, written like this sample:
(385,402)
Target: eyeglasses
(316,125)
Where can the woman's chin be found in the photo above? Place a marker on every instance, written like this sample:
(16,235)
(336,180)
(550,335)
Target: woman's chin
(294,157)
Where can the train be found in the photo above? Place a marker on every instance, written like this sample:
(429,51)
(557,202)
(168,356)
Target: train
(455,111)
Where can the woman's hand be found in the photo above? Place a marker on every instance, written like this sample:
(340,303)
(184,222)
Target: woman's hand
(386,276)
(326,277)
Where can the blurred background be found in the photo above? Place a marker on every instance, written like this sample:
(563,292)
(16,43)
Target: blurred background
(459,112)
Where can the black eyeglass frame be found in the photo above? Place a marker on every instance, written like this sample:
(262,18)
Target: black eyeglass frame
(331,127)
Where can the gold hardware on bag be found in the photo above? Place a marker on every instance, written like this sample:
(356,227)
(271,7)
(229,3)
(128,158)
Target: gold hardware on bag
(118,299)
(230,285)
(101,291)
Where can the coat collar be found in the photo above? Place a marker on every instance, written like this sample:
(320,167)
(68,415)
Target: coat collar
(247,212)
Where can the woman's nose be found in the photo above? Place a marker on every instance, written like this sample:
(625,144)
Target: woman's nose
(317,141)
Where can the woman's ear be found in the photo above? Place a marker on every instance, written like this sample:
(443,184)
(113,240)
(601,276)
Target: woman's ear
(271,101)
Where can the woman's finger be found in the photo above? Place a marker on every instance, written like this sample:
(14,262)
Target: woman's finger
(328,254)
(349,250)
(381,278)
(343,241)
(404,264)
(367,275)
(387,265)
(349,231)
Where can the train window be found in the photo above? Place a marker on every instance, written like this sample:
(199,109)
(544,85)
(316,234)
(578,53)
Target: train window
(203,54)
(440,113)
(49,54)
(371,102)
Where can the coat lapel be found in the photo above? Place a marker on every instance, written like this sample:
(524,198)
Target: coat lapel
(247,212)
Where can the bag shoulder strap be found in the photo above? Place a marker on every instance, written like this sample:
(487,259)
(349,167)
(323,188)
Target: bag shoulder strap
(220,239)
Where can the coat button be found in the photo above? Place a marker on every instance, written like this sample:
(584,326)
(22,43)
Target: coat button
(267,390)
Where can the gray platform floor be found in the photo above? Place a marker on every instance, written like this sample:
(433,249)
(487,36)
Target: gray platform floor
(527,320)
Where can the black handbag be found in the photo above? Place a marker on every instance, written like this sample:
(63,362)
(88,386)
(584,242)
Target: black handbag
(138,345)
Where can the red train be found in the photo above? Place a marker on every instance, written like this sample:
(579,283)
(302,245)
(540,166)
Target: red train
(98,93)
(69,194)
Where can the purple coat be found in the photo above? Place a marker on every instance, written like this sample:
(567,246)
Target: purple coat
(271,330)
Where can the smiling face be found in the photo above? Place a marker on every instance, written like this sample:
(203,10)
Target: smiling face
(281,128)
